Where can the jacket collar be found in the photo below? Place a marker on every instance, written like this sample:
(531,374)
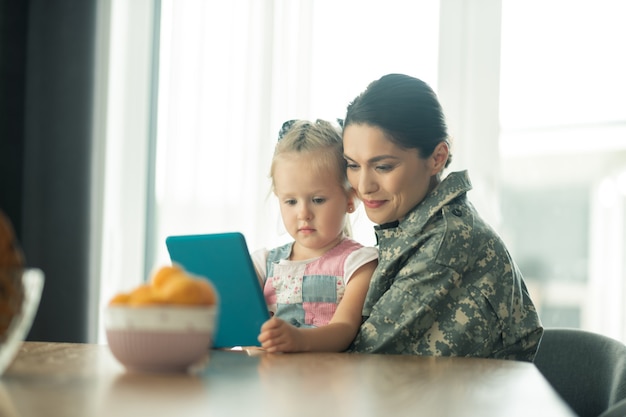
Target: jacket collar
(451,187)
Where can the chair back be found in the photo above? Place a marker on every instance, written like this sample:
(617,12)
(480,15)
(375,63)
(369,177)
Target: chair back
(616,410)
(588,370)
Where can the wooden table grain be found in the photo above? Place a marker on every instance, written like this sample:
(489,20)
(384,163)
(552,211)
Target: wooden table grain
(67,379)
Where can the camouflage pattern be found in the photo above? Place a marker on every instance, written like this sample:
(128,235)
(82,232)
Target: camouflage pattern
(446,285)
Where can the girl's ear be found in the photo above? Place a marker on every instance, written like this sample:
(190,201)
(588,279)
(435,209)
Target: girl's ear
(351,200)
(439,158)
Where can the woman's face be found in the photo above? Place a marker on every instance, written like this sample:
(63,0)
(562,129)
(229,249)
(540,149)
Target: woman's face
(388,179)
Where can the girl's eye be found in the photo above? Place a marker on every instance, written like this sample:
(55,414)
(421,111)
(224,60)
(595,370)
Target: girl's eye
(290,202)
(319,200)
(384,168)
(351,166)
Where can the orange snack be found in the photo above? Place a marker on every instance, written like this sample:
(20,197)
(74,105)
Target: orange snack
(189,291)
(11,287)
(207,292)
(11,255)
(143,295)
(121,298)
(164,274)
(170,285)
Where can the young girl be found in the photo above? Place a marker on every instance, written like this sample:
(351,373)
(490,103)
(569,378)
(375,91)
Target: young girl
(315,285)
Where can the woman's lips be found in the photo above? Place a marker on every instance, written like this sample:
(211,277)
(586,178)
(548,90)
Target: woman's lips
(374,203)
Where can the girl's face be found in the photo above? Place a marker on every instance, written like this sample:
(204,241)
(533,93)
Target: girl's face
(313,205)
(388,179)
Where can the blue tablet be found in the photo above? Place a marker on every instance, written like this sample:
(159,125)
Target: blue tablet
(223,258)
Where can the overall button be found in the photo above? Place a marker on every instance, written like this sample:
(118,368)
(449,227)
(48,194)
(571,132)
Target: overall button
(295,322)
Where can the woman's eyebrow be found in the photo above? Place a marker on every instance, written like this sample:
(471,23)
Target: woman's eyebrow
(374,159)
(381,158)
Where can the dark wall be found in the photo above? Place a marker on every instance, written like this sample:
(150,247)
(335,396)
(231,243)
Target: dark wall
(46,86)
(13,17)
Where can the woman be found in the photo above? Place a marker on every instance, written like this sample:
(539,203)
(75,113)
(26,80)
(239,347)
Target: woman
(445,284)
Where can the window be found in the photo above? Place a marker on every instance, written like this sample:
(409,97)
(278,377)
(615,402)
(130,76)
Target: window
(563,151)
(228,75)
(532,90)
(232,72)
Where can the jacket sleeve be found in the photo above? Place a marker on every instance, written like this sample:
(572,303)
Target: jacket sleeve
(425,312)
(451,292)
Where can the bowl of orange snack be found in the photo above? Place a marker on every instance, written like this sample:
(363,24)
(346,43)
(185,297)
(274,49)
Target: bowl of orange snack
(164,325)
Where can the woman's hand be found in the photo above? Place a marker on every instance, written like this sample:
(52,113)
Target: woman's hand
(279,336)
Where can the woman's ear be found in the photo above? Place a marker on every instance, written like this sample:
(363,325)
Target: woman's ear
(439,158)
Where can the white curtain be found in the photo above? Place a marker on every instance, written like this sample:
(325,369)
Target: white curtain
(232,72)
(229,74)
(214,112)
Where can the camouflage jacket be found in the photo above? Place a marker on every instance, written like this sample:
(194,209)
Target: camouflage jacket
(446,285)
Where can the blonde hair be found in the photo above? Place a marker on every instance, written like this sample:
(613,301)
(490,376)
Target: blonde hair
(320,138)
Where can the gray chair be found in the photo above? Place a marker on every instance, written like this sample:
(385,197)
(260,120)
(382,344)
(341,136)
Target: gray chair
(588,370)
(616,410)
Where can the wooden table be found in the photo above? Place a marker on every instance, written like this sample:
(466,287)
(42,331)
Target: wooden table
(66,380)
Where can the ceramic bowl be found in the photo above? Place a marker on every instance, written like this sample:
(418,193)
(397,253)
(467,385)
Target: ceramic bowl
(163,338)
(20,293)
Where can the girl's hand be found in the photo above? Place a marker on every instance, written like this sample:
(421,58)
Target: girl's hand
(279,336)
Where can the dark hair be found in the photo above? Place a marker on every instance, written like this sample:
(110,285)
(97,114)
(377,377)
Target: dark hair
(406,109)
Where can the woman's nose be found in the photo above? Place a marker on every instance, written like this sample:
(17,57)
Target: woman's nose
(366,184)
